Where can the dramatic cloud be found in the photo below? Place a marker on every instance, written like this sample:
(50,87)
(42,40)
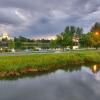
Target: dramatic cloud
(45,18)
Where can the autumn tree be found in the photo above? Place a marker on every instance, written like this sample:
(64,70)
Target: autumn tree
(96,28)
(95,40)
(95,35)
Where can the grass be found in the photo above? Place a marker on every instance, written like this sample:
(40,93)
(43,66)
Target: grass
(10,65)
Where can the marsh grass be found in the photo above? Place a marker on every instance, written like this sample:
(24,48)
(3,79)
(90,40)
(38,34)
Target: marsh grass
(47,61)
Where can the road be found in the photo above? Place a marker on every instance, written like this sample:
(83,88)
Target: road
(23,53)
(41,52)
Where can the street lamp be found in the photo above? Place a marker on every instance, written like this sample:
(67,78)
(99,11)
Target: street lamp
(97,33)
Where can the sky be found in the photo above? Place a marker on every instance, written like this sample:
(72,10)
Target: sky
(46,18)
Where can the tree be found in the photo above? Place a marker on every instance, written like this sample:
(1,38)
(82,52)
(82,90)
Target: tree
(18,43)
(96,28)
(67,29)
(79,31)
(95,40)
(85,40)
(11,44)
(95,35)
(60,40)
(64,40)
(53,44)
(72,29)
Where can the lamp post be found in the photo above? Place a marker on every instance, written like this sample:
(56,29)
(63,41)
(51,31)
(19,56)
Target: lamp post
(97,33)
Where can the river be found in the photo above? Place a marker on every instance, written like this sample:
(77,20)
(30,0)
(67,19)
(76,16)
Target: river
(73,83)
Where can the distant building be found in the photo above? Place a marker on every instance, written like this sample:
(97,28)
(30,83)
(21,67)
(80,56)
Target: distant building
(75,40)
(5,36)
(4,40)
(75,47)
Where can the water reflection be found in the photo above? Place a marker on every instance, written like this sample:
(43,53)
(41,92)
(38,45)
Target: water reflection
(77,83)
(95,68)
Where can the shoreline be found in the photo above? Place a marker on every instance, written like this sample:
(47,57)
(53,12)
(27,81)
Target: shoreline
(11,66)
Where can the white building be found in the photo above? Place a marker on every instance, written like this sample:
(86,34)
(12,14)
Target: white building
(6,36)
(75,41)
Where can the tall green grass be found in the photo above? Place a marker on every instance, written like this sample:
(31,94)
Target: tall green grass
(39,61)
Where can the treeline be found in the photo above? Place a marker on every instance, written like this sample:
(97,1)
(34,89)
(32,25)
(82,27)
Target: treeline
(25,43)
(71,36)
(74,36)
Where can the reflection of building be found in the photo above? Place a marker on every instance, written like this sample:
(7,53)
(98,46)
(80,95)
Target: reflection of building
(5,36)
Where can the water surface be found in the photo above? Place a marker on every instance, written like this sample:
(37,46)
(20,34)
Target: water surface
(75,83)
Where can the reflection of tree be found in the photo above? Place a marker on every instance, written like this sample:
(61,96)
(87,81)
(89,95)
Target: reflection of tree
(71,68)
(94,68)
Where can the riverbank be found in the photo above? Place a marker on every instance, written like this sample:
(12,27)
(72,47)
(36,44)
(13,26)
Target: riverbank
(17,65)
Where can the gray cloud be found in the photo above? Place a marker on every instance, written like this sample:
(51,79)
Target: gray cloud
(38,18)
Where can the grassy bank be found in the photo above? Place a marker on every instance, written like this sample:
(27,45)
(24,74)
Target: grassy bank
(16,65)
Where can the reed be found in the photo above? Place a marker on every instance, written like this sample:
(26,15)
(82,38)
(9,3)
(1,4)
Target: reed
(39,62)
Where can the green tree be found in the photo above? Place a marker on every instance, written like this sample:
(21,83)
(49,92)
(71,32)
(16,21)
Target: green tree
(85,40)
(64,40)
(18,43)
(79,31)
(53,44)
(60,40)
(11,44)
(72,29)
